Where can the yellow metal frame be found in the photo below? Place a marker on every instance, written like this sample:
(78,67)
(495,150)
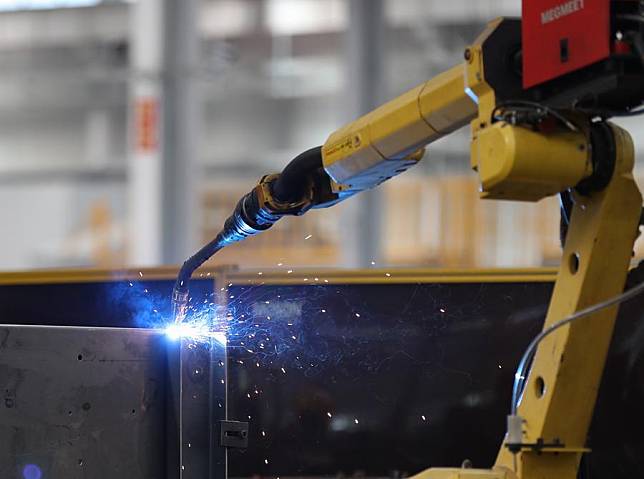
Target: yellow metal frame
(231,274)
(569,364)
(392,276)
(560,392)
(90,275)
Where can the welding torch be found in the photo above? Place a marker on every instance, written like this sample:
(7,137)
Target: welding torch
(357,157)
(302,185)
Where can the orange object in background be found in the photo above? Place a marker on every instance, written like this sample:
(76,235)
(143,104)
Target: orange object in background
(147,124)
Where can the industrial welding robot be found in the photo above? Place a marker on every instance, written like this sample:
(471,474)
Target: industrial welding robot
(537,93)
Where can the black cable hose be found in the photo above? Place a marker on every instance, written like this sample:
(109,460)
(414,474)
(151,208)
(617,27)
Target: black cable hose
(197,259)
(181,292)
(246,220)
(291,184)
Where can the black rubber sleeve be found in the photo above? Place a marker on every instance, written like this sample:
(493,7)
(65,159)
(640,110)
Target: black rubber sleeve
(291,183)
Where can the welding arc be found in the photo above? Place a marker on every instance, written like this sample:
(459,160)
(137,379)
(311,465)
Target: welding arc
(520,375)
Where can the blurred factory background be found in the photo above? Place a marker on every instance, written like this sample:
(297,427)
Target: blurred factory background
(129,129)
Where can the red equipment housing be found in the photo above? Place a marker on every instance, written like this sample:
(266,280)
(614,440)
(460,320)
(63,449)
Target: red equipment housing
(561,36)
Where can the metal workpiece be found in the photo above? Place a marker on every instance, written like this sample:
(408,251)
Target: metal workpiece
(197,375)
(107,403)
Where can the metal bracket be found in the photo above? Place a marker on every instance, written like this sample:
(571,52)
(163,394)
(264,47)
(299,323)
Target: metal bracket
(540,446)
(234,434)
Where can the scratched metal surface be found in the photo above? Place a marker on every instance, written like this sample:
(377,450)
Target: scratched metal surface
(107,403)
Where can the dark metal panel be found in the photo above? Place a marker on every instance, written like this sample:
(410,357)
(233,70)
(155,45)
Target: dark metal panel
(366,379)
(141,303)
(107,403)
(384,380)
(81,402)
(198,392)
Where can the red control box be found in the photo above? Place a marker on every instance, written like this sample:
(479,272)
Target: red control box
(561,36)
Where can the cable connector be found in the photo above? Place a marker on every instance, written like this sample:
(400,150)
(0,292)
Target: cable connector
(270,204)
(514,434)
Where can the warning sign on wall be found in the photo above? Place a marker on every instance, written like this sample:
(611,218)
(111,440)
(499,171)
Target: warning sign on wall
(147,125)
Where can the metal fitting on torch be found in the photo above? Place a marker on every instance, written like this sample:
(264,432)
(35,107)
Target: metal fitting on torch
(258,210)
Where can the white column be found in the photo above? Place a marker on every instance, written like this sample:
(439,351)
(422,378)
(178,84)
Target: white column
(145,119)
(164,120)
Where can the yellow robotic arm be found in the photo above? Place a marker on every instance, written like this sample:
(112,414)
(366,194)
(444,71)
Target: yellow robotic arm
(526,145)
(390,139)
(513,162)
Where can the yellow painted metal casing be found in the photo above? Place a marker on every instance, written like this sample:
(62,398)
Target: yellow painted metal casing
(478,88)
(560,391)
(383,143)
(462,473)
(516,163)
